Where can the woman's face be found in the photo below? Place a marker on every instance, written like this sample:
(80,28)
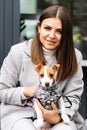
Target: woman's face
(50,33)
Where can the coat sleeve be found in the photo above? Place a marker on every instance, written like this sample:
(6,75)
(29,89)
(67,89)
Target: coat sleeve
(10,92)
(74,89)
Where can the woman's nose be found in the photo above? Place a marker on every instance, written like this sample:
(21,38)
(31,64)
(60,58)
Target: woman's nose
(52,34)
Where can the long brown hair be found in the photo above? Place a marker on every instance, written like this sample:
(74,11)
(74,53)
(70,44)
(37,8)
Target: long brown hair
(65,54)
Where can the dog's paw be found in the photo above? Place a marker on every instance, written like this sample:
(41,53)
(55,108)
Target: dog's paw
(38,124)
(66,119)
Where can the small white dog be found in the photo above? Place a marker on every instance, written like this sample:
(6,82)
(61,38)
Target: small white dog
(48,92)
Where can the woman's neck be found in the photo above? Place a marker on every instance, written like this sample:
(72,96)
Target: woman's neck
(49,52)
(50,56)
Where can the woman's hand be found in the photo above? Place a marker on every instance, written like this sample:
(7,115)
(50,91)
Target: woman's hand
(30,91)
(50,116)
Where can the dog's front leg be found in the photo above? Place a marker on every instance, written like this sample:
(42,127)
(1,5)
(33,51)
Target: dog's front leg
(64,116)
(38,123)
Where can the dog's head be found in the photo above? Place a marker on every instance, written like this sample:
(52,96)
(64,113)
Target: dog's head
(47,74)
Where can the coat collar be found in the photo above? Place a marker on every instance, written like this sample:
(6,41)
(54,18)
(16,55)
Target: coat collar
(28,47)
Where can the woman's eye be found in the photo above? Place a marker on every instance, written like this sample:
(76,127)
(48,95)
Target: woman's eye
(59,31)
(47,28)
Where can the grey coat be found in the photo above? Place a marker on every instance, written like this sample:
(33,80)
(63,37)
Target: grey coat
(17,72)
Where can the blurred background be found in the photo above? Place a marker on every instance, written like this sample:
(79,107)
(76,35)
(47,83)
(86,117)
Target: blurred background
(18,19)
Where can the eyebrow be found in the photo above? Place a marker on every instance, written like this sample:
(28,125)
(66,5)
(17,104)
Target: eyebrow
(60,29)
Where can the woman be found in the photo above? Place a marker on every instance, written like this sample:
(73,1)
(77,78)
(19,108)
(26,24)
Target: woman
(53,43)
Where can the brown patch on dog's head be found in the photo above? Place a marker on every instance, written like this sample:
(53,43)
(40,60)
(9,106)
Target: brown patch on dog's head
(40,69)
(55,67)
(52,70)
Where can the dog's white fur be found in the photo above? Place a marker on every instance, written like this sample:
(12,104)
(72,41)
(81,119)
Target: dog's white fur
(47,81)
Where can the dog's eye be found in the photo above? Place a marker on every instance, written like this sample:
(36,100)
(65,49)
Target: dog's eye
(41,75)
(51,75)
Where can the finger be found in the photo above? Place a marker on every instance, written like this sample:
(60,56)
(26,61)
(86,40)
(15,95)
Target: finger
(54,106)
(39,105)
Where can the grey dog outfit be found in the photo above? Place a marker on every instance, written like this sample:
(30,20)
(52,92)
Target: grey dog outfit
(48,94)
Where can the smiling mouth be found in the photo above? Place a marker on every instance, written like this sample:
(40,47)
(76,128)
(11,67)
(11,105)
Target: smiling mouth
(50,42)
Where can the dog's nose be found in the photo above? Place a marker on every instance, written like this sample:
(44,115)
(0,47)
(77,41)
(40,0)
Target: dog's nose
(47,84)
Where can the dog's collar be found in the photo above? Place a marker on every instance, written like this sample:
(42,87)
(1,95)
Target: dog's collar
(52,87)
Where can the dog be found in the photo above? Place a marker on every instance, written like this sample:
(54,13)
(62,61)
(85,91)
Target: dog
(48,92)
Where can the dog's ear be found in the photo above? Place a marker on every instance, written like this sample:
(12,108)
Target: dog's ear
(55,66)
(38,67)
